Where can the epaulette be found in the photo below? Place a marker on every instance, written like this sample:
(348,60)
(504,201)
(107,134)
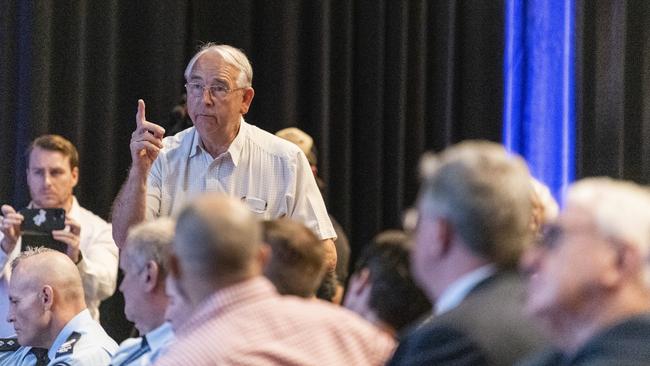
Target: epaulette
(9,344)
(67,346)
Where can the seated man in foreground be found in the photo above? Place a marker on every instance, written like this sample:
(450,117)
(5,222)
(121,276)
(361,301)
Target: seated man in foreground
(144,263)
(238,318)
(48,312)
(588,277)
(474,215)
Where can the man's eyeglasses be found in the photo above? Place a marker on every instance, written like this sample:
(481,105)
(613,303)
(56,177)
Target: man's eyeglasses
(216,91)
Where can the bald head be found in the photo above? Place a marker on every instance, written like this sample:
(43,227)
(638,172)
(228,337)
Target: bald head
(45,293)
(217,239)
(41,266)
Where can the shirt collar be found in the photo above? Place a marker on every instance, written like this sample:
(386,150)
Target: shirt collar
(74,323)
(159,336)
(453,295)
(235,148)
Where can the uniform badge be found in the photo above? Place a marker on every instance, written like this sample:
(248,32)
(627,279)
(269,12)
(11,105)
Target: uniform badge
(9,344)
(68,346)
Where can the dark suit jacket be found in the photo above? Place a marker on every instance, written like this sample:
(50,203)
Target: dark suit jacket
(625,344)
(487,328)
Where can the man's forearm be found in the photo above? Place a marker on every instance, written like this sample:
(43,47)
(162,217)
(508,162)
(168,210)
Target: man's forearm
(130,206)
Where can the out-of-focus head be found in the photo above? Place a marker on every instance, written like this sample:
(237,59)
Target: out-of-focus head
(144,263)
(597,247)
(481,195)
(302,140)
(45,290)
(297,262)
(382,288)
(52,171)
(217,243)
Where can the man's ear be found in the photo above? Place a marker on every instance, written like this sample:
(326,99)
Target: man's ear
(442,235)
(75,176)
(46,297)
(264,255)
(247,99)
(629,264)
(151,274)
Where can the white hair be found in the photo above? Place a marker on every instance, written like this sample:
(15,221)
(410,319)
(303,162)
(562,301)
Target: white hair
(620,209)
(233,56)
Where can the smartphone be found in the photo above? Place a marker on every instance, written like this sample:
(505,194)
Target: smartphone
(38,225)
(42,220)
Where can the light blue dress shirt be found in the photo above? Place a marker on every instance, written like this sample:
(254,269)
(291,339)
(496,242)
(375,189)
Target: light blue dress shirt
(133,352)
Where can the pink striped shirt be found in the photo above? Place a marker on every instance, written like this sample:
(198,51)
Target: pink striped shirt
(251,324)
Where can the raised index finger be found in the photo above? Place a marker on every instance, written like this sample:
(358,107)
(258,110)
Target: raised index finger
(140,115)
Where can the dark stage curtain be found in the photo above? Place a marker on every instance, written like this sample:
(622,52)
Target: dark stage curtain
(613,89)
(375,82)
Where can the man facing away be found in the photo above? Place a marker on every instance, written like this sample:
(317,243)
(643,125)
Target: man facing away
(220,153)
(144,263)
(52,174)
(238,318)
(49,313)
(474,213)
(589,277)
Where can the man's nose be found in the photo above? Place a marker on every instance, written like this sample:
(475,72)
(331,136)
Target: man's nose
(207,96)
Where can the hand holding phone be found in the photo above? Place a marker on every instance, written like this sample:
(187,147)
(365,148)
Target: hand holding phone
(10,223)
(37,227)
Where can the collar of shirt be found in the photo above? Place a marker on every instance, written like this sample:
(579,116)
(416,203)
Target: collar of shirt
(455,293)
(159,337)
(74,323)
(247,291)
(235,148)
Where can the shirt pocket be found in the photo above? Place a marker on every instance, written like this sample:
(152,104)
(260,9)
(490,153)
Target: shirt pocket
(257,206)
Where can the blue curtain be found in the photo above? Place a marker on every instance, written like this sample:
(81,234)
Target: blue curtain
(539,113)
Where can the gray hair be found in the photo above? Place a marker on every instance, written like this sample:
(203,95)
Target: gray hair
(620,210)
(150,241)
(217,237)
(485,193)
(233,56)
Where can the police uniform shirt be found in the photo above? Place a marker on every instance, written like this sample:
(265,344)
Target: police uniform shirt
(145,350)
(82,342)
(12,354)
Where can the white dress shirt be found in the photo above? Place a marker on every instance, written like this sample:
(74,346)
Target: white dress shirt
(98,266)
(455,293)
(269,174)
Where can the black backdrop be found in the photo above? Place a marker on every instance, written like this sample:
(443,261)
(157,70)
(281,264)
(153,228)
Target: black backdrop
(375,82)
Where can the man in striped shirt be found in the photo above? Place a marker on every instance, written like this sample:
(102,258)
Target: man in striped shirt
(239,318)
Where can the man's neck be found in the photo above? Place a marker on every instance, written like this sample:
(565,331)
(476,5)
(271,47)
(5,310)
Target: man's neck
(155,314)
(218,143)
(67,206)
(59,321)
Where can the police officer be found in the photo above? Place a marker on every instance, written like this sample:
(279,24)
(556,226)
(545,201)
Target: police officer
(48,311)
(144,263)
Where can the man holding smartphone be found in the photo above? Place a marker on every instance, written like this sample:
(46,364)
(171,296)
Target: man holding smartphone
(52,174)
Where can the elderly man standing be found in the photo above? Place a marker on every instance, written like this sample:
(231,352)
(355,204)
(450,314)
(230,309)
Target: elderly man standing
(474,221)
(589,277)
(52,174)
(144,263)
(220,153)
(239,318)
(49,313)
